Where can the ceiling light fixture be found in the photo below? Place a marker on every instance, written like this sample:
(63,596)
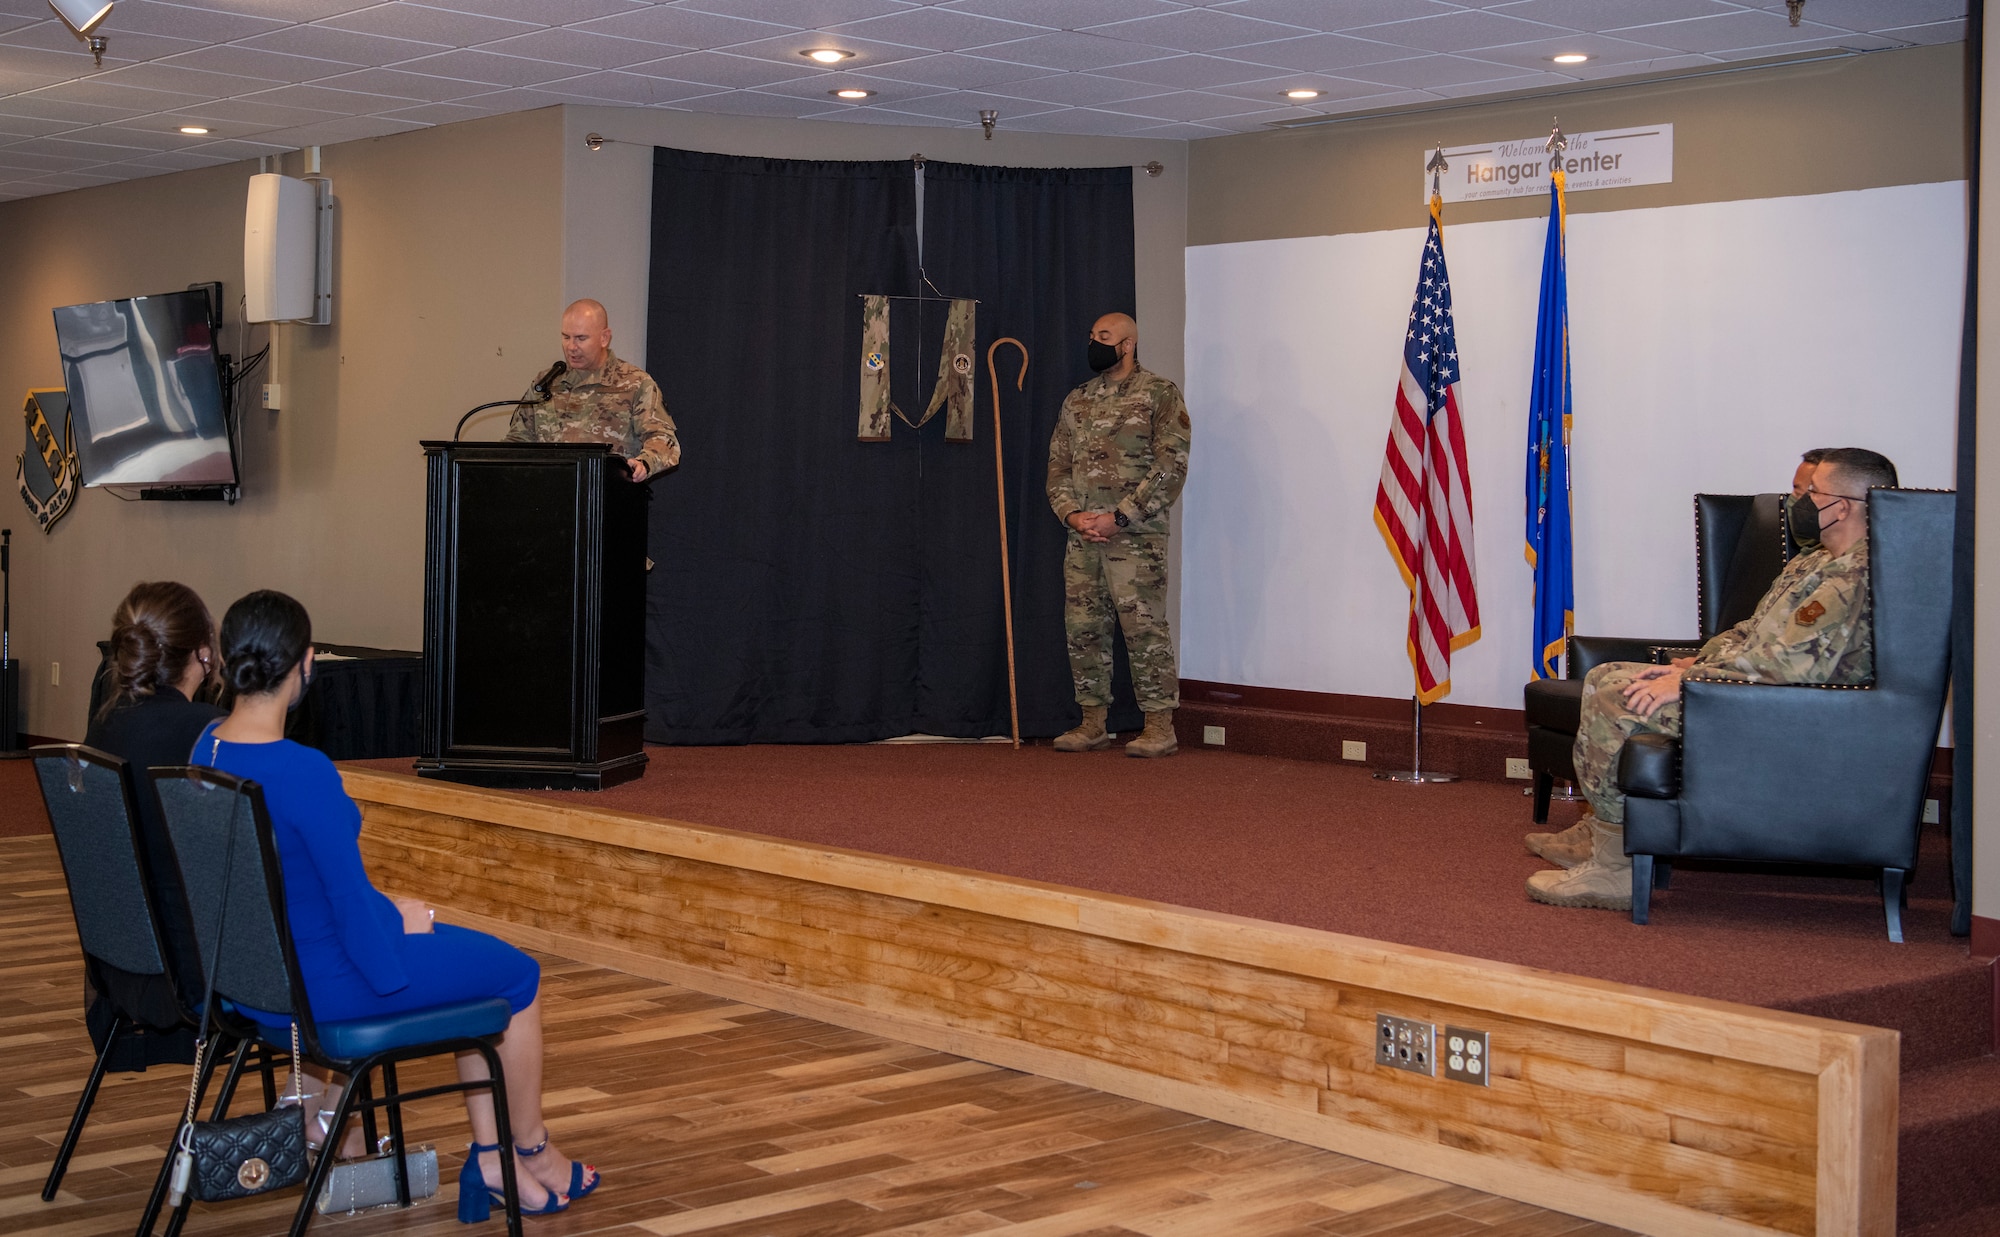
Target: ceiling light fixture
(193,130)
(1570,58)
(1302,93)
(850,92)
(827,55)
(82,17)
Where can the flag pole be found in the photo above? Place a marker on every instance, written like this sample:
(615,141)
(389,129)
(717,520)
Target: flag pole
(1415,774)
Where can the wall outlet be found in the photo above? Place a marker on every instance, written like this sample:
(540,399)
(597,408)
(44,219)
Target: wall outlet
(1212,735)
(1930,811)
(273,396)
(1406,1044)
(1517,766)
(1351,750)
(55,674)
(1468,1056)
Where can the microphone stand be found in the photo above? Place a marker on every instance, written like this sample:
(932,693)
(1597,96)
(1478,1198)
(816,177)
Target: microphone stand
(498,403)
(10,673)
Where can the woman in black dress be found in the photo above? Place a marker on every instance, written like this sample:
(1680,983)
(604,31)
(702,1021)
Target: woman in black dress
(162,664)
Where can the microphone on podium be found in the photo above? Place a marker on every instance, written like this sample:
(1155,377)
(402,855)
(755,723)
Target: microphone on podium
(539,394)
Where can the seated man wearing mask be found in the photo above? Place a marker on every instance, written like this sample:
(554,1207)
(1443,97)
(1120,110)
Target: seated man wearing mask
(1812,626)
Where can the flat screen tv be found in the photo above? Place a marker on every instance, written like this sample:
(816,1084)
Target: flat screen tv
(145,391)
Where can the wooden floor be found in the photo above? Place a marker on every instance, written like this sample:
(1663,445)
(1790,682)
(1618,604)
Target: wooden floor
(713,1117)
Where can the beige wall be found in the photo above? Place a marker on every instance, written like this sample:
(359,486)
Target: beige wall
(447,260)
(1890,118)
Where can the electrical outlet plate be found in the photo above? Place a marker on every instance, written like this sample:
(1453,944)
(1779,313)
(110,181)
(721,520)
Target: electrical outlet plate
(1351,749)
(1212,735)
(1518,767)
(1406,1044)
(1930,811)
(1468,1056)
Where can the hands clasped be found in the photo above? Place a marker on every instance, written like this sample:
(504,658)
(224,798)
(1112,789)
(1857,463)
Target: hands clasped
(1095,525)
(1656,686)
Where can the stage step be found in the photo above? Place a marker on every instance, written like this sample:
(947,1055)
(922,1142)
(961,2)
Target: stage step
(1949,1126)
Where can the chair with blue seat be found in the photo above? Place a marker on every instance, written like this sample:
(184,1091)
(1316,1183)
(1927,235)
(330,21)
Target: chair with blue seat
(257,976)
(93,813)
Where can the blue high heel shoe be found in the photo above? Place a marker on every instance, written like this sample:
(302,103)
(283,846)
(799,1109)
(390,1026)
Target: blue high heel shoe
(577,1168)
(476,1198)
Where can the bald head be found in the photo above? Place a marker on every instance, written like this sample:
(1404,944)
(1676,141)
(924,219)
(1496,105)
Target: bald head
(1120,333)
(586,334)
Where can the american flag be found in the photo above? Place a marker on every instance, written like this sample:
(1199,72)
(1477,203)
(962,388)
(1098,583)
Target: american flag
(1424,503)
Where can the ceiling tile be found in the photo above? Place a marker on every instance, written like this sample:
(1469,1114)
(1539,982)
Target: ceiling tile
(12,127)
(1066,14)
(424,25)
(1733,31)
(1193,105)
(1077,89)
(749,103)
(1086,120)
(1874,14)
(681,28)
(283,10)
(77,180)
(122,47)
(441,113)
(1070,50)
(323,99)
(258,63)
(577,47)
(721,69)
(791,48)
(180,21)
(886,92)
(1184,132)
(1192,72)
(1611,14)
(345,46)
(964,106)
(951,71)
(471,64)
(1272,89)
(1460,32)
(615,87)
(343,129)
(1524,81)
(36,105)
(118,142)
(1937,32)
(172,75)
(112,94)
(542,12)
(1603,50)
(804,14)
(16,159)
(943,30)
(409,86)
(1198,30)
(1321,53)
(878,116)
(1430,72)
(180,161)
(240,148)
(1331,15)
(260,115)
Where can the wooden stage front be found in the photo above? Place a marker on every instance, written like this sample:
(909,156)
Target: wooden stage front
(1649,1110)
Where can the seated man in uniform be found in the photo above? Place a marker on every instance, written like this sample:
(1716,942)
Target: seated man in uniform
(1812,626)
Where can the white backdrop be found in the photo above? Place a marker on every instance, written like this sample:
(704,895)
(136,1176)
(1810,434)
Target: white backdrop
(1710,344)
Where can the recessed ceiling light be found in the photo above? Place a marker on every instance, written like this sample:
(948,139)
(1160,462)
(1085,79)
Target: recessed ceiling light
(1302,93)
(193,130)
(1570,58)
(850,93)
(827,55)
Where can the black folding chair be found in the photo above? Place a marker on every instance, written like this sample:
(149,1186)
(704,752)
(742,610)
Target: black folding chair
(90,803)
(257,968)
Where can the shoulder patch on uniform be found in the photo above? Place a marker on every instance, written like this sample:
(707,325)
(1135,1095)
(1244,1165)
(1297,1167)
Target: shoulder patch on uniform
(1810,613)
(1184,421)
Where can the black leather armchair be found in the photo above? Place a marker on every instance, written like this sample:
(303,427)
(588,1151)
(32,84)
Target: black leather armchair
(1740,545)
(1814,775)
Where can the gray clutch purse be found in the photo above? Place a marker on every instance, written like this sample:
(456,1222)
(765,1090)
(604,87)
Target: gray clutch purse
(357,1185)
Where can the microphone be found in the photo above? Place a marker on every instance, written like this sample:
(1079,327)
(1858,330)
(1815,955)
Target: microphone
(542,383)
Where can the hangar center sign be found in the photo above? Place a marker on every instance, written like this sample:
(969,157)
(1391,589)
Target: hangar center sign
(1611,159)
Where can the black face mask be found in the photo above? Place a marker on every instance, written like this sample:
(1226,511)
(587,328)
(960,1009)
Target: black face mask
(1102,356)
(1803,519)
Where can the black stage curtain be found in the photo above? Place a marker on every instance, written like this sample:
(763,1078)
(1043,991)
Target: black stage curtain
(810,587)
(1047,251)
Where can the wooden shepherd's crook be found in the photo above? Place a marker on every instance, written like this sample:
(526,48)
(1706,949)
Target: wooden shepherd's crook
(1000,490)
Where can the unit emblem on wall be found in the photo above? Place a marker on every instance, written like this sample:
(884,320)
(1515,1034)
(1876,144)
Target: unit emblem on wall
(46,470)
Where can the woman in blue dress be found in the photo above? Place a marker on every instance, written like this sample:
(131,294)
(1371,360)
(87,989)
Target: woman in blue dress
(361,952)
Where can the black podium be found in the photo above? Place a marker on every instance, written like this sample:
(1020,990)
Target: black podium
(534,616)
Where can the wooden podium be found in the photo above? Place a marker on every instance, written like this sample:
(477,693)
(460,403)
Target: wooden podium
(534,616)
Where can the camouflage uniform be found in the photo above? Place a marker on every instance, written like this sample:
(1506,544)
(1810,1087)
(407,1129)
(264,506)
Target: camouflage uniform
(1123,446)
(616,403)
(1812,626)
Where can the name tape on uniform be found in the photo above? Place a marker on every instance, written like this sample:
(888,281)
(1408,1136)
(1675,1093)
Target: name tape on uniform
(1612,159)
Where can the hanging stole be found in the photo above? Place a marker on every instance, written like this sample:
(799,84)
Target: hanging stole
(953,391)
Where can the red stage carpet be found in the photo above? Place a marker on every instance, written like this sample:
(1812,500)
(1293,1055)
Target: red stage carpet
(20,800)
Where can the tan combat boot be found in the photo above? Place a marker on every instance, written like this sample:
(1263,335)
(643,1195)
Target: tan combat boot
(1565,849)
(1604,881)
(1158,738)
(1089,735)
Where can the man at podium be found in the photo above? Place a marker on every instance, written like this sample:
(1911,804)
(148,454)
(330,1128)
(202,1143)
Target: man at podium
(595,397)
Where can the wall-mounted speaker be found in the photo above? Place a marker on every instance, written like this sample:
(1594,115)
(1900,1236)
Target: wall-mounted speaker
(288,249)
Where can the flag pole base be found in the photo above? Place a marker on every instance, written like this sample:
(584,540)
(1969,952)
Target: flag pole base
(1413,776)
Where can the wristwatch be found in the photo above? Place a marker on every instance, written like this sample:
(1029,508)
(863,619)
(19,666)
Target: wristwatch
(1119,516)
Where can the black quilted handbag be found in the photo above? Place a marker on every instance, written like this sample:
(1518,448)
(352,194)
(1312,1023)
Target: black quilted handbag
(220,1160)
